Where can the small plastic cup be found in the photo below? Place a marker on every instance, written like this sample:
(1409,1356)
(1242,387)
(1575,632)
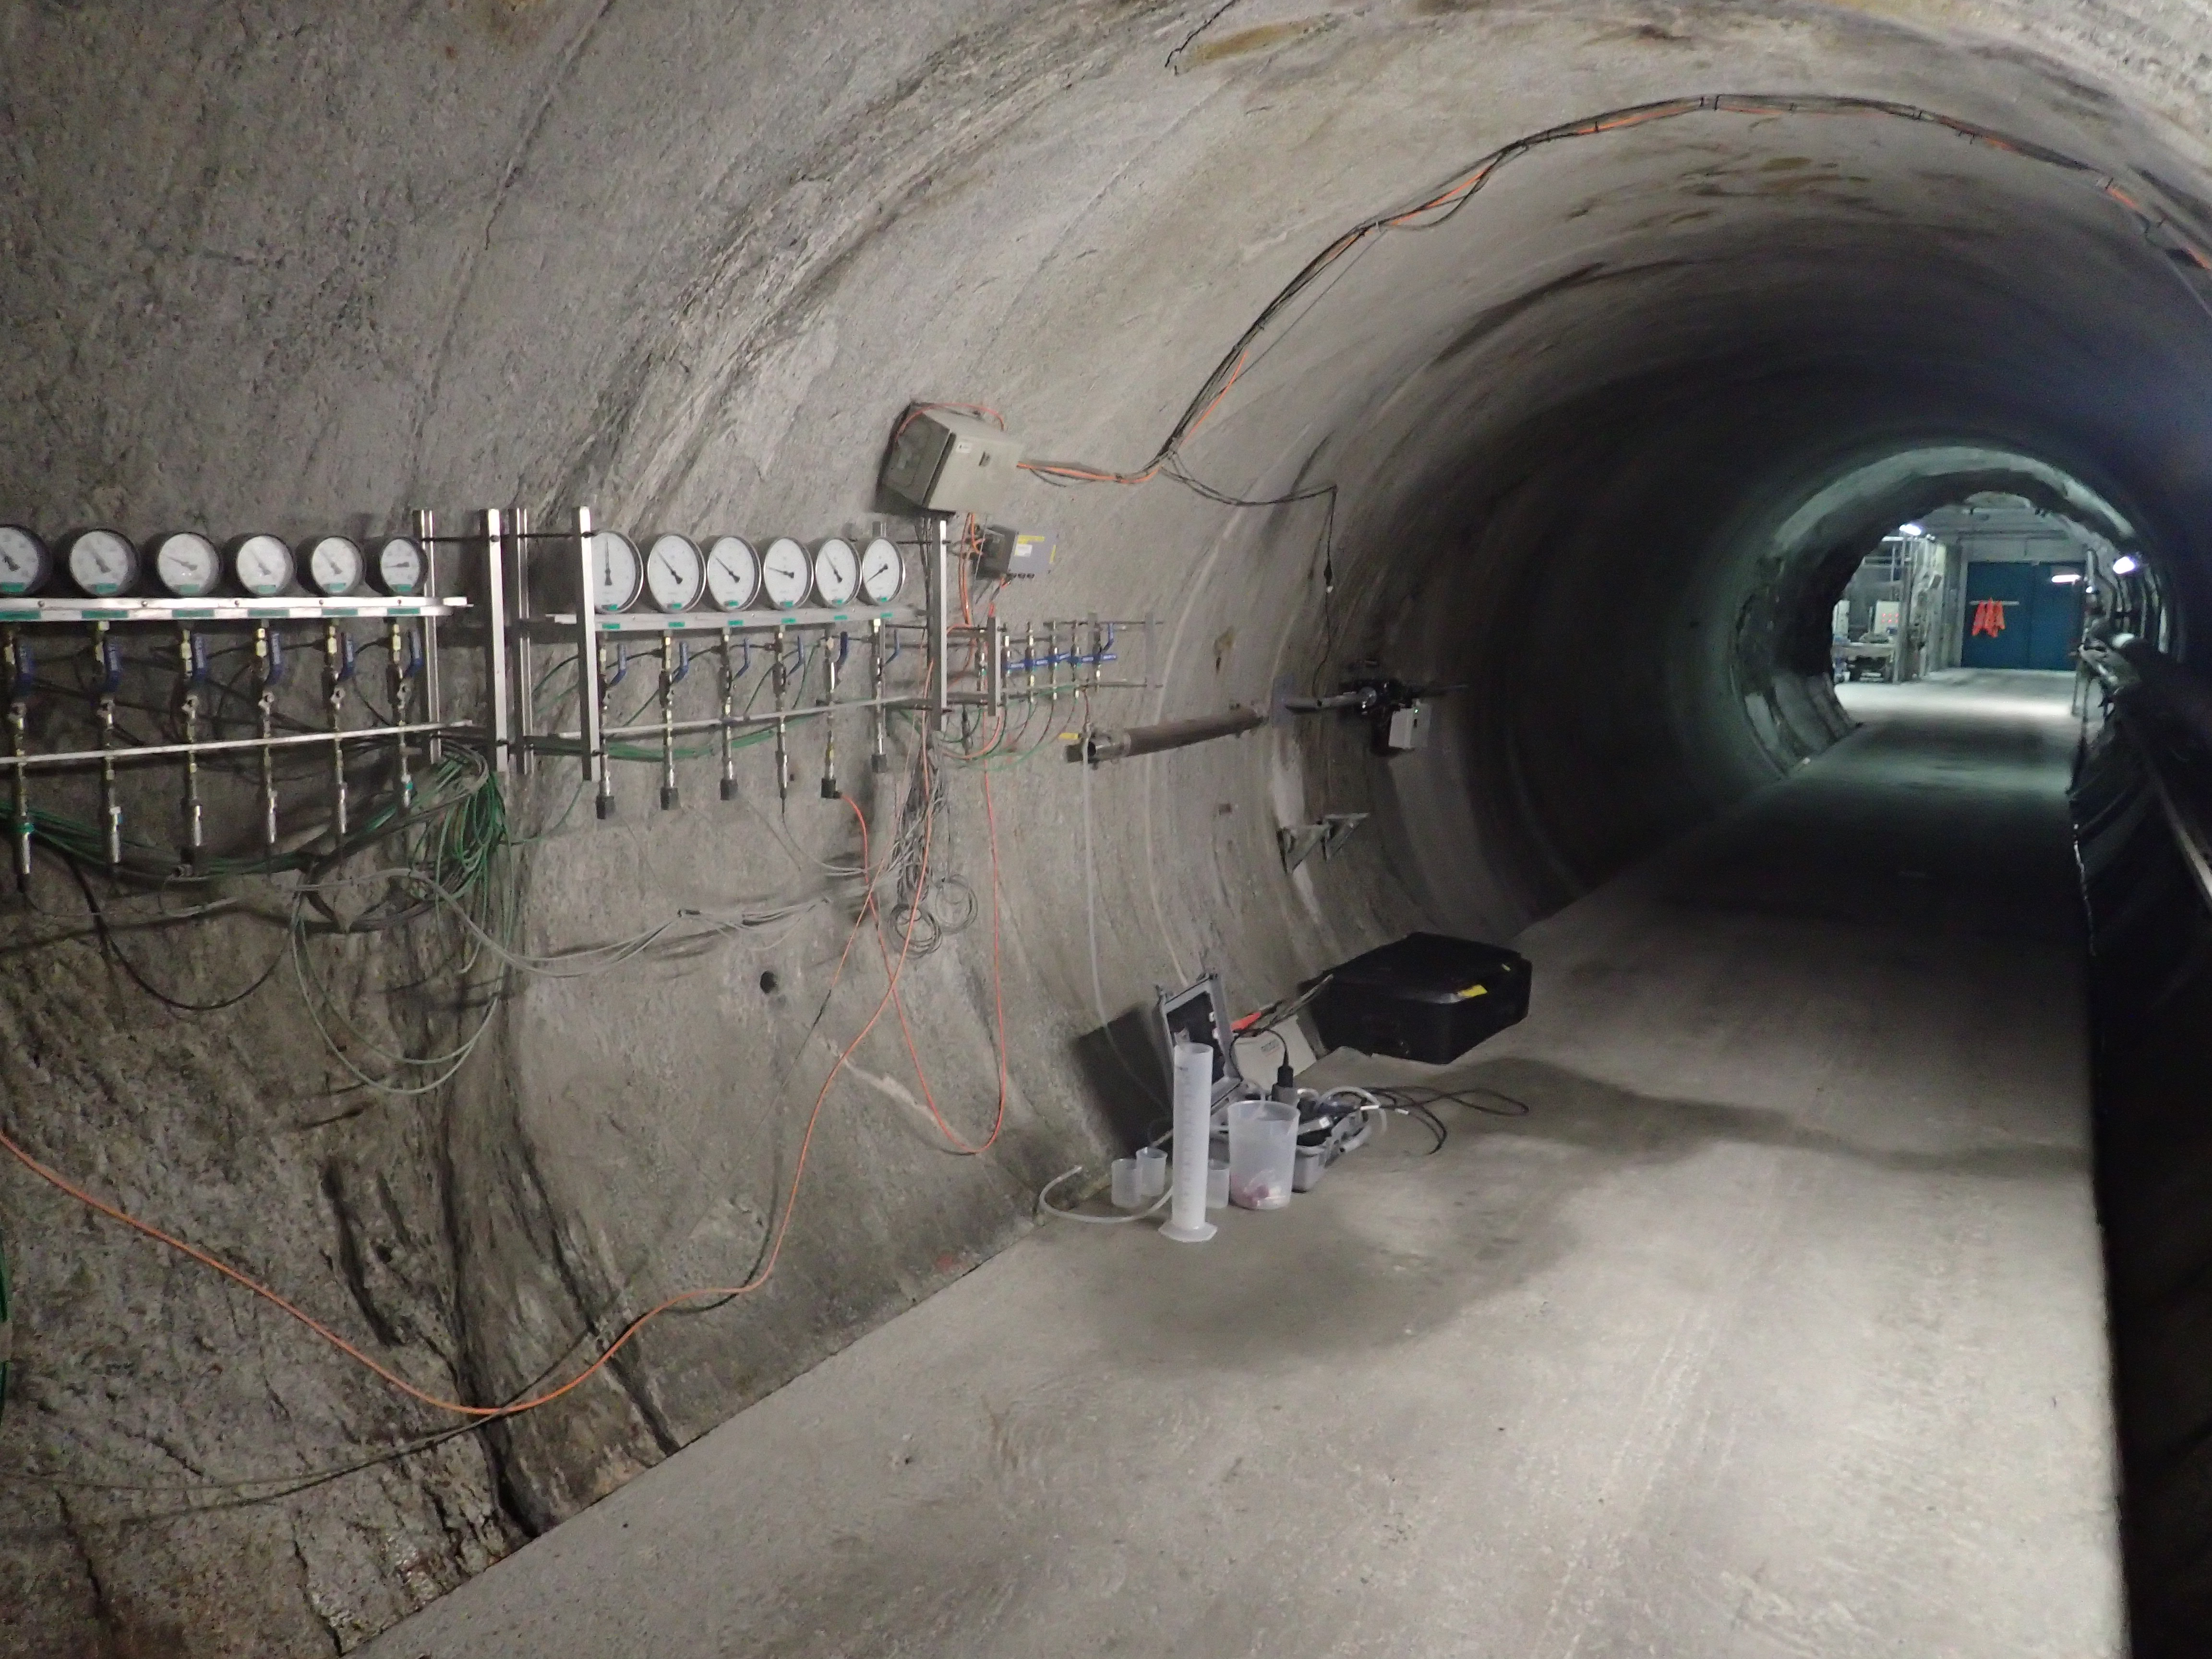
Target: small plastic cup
(1151,1172)
(1128,1185)
(1216,1184)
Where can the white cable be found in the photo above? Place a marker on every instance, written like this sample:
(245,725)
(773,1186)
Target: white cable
(1044,1202)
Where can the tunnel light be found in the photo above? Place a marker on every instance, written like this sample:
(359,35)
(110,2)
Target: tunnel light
(1910,530)
(2065,578)
(2126,565)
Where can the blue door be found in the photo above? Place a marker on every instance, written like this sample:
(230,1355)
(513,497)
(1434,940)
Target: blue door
(2055,623)
(2017,617)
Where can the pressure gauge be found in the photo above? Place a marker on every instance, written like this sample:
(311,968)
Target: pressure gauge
(616,572)
(101,563)
(786,573)
(836,572)
(187,565)
(334,565)
(402,567)
(882,572)
(25,564)
(673,573)
(263,565)
(733,573)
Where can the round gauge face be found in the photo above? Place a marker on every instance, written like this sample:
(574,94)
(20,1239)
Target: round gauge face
(617,571)
(674,574)
(733,573)
(263,565)
(882,572)
(836,571)
(102,563)
(187,565)
(334,565)
(25,564)
(786,573)
(401,569)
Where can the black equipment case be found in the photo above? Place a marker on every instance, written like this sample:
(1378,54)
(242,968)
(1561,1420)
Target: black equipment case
(1428,997)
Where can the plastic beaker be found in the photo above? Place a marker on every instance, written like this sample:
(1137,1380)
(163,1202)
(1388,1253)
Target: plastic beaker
(1263,1146)
(1128,1185)
(1216,1184)
(1151,1171)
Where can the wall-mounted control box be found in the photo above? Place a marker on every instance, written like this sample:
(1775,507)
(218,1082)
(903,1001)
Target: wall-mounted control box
(1015,553)
(947,463)
(1402,729)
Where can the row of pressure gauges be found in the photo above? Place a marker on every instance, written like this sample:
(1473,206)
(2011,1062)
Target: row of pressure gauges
(675,575)
(106,564)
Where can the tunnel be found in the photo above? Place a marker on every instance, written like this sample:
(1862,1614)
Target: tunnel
(568,1212)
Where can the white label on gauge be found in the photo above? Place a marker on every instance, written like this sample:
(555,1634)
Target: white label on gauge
(836,571)
(786,573)
(673,575)
(733,573)
(616,570)
(187,565)
(263,566)
(400,567)
(334,565)
(882,572)
(24,565)
(102,563)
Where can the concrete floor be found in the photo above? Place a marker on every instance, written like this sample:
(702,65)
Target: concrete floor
(1775,1327)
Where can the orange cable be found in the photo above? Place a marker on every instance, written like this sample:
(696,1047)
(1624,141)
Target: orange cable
(516,1408)
(1461,188)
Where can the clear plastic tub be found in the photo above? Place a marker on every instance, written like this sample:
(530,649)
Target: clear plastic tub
(1263,1146)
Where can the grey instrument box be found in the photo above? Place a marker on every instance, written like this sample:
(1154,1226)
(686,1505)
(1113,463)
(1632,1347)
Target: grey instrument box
(948,463)
(1016,552)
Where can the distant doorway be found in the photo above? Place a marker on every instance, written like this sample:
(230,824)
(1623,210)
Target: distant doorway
(2020,614)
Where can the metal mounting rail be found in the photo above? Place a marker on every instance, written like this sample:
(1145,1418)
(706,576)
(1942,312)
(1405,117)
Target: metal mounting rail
(285,608)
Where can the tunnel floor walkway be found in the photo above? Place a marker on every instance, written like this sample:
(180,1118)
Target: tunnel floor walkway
(1776,1327)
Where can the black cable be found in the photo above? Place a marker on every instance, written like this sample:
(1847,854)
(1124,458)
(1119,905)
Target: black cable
(108,949)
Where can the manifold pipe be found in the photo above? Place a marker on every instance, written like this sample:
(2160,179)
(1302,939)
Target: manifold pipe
(1171,734)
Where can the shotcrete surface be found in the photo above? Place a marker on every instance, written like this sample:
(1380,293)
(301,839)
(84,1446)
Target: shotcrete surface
(1774,1327)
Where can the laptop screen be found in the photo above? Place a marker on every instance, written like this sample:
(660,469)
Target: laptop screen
(1194,1015)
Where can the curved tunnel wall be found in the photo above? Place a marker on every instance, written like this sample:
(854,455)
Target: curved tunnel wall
(687,267)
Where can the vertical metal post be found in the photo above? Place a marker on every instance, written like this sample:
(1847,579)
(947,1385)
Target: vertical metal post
(403,778)
(781,676)
(729,712)
(20,675)
(997,644)
(498,706)
(269,662)
(669,797)
(829,789)
(525,682)
(192,669)
(338,666)
(878,759)
(591,685)
(434,702)
(940,654)
(109,682)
